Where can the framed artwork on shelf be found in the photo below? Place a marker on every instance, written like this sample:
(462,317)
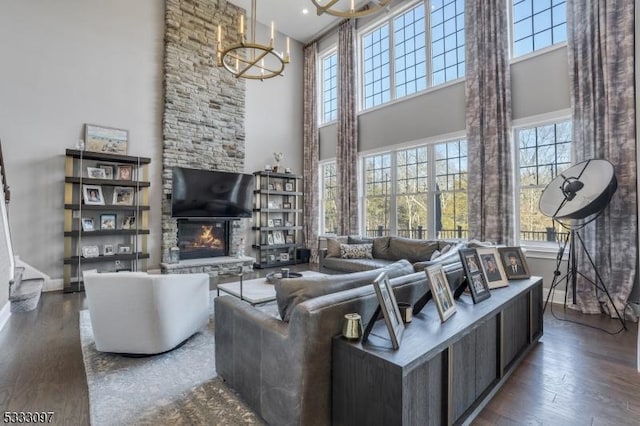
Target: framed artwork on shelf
(278,237)
(441,292)
(128,222)
(289,239)
(514,262)
(270,239)
(108,170)
(278,186)
(270,187)
(389,308)
(87,224)
(92,195)
(107,250)
(96,173)
(272,258)
(90,251)
(272,205)
(277,222)
(105,139)
(270,223)
(107,221)
(284,257)
(288,186)
(124,248)
(286,205)
(475,279)
(124,172)
(122,196)
(492,267)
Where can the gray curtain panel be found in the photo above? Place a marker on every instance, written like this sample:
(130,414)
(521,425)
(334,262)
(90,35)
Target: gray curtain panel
(347,150)
(488,121)
(601,58)
(311,152)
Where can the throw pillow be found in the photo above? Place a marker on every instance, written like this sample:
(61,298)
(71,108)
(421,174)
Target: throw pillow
(293,291)
(333,246)
(356,251)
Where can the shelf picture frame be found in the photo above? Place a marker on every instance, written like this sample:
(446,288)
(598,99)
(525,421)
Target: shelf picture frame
(90,251)
(441,292)
(87,224)
(277,186)
(128,222)
(270,239)
(270,187)
(124,172)
(108,170)
(108,221)
(389,308)
(288,239)
(270,223)
(277,222)
(476,281)
(288,186)
(492,267)
(107,250)
(286,205)
(272,258)
(124,248)
(96,173)
(123,196)
(284,257)
(92,195)
(105,139)
(514,262)
(278,237)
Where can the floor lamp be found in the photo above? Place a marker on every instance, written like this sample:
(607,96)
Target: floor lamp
(581,192)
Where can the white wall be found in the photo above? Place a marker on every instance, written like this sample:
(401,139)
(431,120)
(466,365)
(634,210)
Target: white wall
(66,63)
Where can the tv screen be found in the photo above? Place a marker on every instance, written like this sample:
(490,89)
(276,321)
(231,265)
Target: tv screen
(208,193)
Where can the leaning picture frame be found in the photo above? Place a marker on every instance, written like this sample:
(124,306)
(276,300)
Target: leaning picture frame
(476,281)
(389,308)
(514,262)
(492,268)
(123,196)
(441,292)
(92,195)
(105,139)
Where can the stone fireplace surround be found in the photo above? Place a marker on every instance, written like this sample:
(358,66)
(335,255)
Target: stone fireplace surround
(204,112)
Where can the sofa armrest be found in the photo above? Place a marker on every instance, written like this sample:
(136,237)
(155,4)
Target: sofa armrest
(322,253)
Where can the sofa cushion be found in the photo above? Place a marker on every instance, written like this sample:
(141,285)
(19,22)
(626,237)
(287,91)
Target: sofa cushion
(380,248)
(356,251)
(293,291)
(412,250)
(333,245)
(357,239)
(354,265)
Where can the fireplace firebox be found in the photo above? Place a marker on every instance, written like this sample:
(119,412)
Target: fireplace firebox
(203,238)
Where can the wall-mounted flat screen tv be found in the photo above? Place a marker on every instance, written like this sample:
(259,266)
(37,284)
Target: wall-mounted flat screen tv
(209,193)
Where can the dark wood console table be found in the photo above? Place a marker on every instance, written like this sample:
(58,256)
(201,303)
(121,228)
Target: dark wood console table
(443,373)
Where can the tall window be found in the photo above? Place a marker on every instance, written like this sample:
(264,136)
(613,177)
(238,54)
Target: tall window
(451,190)
(377,187)
(447,40)
(409,52)
(377,88)
(412,207)
(544,151)
(395,53)
(329,217)
(417,192)
(538,24)
(329,87)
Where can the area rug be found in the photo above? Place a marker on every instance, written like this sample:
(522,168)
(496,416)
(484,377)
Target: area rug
(178,388)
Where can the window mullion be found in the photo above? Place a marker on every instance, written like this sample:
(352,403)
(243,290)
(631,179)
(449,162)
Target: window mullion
(392,62)
(427,42)
(431,191)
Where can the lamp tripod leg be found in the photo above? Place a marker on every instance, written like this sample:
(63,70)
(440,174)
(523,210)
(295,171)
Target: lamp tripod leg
(557,278)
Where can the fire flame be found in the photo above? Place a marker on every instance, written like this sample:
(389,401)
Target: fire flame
(207,238)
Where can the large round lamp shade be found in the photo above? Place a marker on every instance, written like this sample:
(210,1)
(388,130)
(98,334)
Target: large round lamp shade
(580,191)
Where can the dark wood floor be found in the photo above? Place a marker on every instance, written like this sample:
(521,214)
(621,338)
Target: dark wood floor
(574,376)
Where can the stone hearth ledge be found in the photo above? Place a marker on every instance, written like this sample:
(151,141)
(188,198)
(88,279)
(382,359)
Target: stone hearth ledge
(213,266)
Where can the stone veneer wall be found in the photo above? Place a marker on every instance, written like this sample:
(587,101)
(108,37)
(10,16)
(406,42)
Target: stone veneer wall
(204,106)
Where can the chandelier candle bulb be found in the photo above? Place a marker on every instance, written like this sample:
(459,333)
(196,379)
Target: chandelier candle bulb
(273,34)
(353,6)
(288,55)
(242,26)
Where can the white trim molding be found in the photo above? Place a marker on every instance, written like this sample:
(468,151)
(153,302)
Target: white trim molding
(5,313)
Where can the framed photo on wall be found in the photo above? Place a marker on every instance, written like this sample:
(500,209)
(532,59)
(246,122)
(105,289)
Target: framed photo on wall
(514,262)
(389,308)
(475,279)
(441,292)
(492,267)
(105,139)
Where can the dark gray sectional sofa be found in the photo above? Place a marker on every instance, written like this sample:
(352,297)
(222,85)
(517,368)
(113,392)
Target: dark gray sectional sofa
(386,250)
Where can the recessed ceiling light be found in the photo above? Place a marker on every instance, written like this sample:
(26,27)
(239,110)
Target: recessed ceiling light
(305,11)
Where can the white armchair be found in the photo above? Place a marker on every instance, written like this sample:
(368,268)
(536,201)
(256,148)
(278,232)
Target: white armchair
(138,313)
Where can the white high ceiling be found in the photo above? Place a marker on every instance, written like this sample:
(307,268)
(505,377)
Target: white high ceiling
(289,19)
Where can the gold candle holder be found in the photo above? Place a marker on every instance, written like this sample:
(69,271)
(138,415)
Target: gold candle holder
(352,326)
